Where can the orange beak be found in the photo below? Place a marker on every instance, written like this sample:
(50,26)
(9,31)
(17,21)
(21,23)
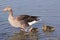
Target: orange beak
(4,10)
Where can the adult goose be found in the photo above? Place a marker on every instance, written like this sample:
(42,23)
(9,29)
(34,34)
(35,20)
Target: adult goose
(22,21)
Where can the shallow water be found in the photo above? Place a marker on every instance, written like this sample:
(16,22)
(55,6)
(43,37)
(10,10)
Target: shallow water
(49,10)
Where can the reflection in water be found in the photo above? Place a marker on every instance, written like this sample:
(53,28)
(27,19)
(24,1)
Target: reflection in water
(25,36)
(33,36)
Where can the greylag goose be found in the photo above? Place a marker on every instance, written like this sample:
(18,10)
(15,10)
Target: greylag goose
(47,28)
(22,21)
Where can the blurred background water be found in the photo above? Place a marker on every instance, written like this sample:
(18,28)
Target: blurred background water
(49,10)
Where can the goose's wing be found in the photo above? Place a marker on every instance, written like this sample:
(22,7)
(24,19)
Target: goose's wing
(22,17)
(32,18)
(27,18)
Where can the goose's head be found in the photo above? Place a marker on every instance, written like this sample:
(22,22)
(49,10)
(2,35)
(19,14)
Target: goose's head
(7,9)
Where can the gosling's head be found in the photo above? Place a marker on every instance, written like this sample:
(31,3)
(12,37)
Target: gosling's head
(44,27)
(7,9)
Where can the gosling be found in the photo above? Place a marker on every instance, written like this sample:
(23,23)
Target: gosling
(47,28)
(33,30)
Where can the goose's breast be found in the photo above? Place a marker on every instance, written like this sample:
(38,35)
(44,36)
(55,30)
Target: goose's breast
(14,22)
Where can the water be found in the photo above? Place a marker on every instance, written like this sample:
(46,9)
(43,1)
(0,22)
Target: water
(49,10)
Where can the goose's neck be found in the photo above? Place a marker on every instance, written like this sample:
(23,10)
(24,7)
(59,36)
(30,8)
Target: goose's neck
(10,13)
